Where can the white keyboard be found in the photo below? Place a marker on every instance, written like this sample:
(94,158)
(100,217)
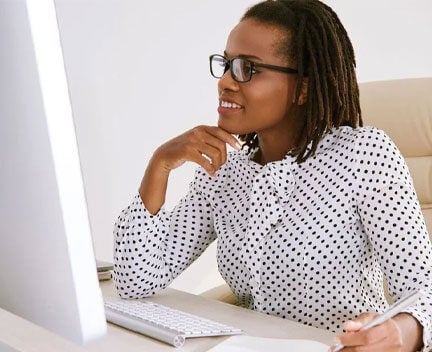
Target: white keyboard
(163,323)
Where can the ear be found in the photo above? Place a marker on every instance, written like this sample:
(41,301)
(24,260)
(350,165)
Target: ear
(303,91)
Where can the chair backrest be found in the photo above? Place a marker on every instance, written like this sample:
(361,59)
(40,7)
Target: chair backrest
(403,109)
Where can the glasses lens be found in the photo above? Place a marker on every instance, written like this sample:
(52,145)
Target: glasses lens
(218,66)
(241,69)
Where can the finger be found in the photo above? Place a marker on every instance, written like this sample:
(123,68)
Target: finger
(224,136)
(213,154)
(218,144)
(203,162)
(358,322)
(368,337)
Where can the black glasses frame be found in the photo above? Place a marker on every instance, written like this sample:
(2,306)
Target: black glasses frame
(228,66)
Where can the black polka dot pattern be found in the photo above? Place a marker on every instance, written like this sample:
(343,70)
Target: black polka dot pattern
(309,242)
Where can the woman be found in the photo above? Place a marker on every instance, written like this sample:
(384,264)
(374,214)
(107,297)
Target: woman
(311,213)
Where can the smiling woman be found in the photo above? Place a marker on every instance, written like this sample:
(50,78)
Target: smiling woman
(267,100)
(119,60)
(300,209)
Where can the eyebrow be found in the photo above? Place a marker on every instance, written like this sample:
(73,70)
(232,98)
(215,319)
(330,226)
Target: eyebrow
(245,56)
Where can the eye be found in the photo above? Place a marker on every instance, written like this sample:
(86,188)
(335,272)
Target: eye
(254,71)
(247,68)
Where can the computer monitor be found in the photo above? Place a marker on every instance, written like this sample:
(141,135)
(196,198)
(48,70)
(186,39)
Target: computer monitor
(47,267)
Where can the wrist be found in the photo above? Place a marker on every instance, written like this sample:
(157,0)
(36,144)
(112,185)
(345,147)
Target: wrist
(153,185)
(411,332)
(158,165)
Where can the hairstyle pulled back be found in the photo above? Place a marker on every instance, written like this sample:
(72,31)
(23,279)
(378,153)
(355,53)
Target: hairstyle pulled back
(319,44)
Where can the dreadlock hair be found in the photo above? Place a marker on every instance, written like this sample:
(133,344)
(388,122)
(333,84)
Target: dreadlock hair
(319,44)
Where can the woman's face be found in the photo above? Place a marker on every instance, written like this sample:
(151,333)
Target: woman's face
(262,104)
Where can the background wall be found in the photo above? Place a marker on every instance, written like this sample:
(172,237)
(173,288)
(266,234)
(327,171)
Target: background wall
(138,75)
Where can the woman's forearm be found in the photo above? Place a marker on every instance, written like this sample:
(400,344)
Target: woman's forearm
(153,186)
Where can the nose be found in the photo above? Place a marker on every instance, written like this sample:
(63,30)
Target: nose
(226,82)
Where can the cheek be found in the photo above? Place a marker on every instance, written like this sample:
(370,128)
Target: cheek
(272,103)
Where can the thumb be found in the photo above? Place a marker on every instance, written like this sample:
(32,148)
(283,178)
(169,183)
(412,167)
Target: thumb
(357,323)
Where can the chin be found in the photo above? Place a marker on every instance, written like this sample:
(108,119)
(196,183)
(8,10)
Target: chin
(231,128)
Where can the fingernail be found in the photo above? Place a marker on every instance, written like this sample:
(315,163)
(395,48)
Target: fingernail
(237,146)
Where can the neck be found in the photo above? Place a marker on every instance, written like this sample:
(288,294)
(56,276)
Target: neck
(274,145)
(267,154)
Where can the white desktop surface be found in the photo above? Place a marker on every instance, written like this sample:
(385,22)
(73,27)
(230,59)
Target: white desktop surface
(253,323)
(27,337)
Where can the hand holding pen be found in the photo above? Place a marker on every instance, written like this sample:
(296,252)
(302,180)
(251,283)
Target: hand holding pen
(395,309)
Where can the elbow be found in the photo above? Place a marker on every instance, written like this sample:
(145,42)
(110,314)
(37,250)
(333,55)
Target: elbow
(134,292)
(133,288)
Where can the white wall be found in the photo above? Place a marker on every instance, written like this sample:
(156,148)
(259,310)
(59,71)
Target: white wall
(391,38)
(138,75)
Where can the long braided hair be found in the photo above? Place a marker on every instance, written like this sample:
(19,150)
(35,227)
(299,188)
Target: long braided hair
(317,41)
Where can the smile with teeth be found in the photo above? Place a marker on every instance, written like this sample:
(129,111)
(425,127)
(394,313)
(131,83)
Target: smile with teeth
(226,104)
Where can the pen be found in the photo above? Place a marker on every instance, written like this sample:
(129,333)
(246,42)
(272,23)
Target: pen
(394,309)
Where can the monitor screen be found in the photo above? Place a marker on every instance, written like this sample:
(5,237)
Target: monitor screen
(47,267)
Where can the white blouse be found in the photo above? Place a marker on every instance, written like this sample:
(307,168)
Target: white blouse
(309,242)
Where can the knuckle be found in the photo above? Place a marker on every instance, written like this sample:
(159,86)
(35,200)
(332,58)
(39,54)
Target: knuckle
(220,145)
(190,137)
(196,130)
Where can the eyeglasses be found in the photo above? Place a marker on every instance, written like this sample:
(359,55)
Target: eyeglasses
(241,69)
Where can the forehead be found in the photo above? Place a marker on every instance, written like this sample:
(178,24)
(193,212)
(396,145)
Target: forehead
(252,38)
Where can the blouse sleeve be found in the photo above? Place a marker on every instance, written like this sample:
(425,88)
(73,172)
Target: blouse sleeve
(392,218)
(151,250)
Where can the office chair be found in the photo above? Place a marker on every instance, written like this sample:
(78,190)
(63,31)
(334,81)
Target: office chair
(403,109)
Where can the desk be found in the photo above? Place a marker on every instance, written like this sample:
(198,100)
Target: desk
(119,339)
